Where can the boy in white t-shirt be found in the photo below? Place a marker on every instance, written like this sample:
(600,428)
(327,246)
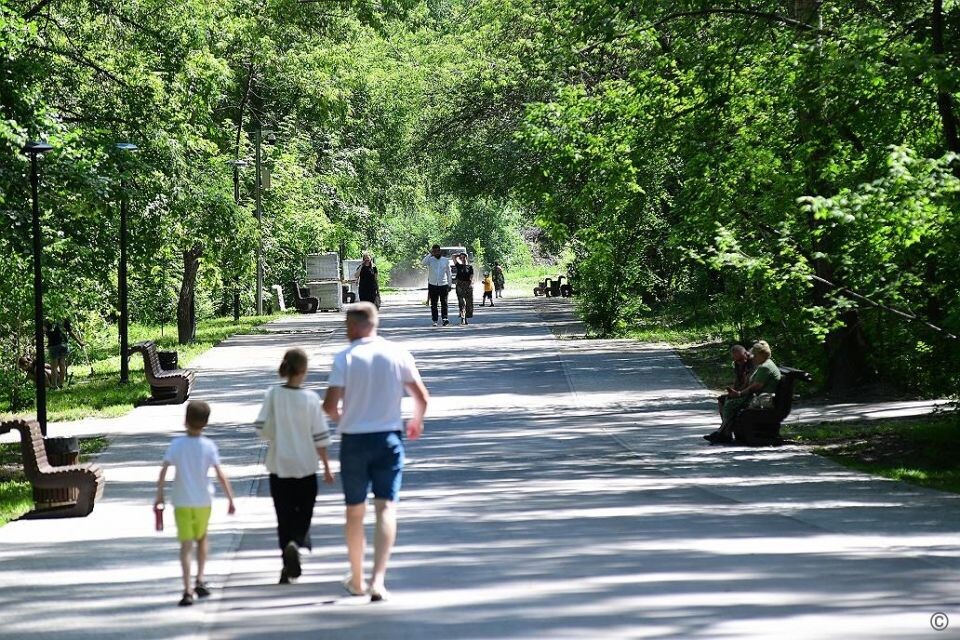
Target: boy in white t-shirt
(193,455)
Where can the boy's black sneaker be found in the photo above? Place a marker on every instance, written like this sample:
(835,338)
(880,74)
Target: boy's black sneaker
(291,559)
(445,322)
(284,578)
(201,590)
(186,600)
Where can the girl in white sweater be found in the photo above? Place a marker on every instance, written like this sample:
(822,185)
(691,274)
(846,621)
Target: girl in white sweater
(292,421)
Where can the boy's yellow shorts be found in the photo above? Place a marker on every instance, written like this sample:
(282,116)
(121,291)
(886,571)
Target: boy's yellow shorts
(191,522)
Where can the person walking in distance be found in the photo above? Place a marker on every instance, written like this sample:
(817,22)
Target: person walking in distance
(438,282)
(367,382)
(463,275)
(368,281)
(292,422)
(499,282)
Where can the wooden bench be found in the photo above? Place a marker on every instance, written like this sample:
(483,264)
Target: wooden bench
(87,478)
(761,427)
(302,299)
(171,386)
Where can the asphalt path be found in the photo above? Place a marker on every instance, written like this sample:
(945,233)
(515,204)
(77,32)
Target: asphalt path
(561,490)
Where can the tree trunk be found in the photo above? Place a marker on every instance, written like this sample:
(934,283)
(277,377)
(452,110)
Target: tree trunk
(186,310)
(845,347)
(944,99)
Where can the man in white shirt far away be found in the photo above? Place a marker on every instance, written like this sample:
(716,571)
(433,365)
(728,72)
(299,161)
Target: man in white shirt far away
(438,282)
(367,383)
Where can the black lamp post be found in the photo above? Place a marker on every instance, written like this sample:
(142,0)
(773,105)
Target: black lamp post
(236,164)
(123,147)
(257,139)
(34,149)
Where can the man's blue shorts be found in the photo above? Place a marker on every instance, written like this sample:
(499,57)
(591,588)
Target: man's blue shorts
(371,459)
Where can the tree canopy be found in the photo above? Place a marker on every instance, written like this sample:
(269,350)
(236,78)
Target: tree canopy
(789,165)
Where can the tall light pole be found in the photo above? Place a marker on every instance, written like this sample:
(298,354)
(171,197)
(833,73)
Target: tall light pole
(236,164)
(258,160)
(35,149)
(123,148)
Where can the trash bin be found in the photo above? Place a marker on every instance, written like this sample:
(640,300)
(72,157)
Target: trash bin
(60,453)
(168,360)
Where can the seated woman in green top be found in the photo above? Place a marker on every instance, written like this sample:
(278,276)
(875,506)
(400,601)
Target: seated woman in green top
(765,377)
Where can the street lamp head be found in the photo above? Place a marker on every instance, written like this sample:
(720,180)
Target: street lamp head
(271,138)
(36,147)
(125,146)
(237,163)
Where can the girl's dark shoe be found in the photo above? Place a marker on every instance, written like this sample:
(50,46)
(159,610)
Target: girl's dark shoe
(291,559)
(201,590)
(186,600)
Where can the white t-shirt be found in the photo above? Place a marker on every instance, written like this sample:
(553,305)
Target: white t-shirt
(372,373)
(438,269)
(192,457)
(293,422)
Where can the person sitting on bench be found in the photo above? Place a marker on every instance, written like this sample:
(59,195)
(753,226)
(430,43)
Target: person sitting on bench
(29,366)
(743,366)
(764,379)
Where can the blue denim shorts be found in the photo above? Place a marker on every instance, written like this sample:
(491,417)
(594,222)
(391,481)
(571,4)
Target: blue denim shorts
(58,351)
(371,460)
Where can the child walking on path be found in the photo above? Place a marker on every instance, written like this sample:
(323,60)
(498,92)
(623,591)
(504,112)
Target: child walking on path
(293,424)
(487,290)
(193,455)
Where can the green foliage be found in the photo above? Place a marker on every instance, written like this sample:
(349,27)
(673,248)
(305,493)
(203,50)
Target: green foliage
(735,161)
(732,161)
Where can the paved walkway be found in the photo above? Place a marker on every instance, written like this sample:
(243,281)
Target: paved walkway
(561,491)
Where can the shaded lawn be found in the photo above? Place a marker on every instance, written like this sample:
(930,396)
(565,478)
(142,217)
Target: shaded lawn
(923,451)
(93,389)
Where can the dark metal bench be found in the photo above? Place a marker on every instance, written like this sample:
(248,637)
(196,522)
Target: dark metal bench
(761,427)
(85,479)
(302,299)
(167,386)
(553,288)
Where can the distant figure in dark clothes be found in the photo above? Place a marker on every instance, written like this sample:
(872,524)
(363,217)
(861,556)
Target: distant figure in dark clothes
(58,349)
(368,281)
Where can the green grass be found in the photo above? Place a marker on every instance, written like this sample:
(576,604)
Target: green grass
(16,494)
(93,390)
(701,345)
(922,451)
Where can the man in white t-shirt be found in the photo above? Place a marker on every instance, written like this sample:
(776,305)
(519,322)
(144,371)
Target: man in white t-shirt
(369,378)
(438,282)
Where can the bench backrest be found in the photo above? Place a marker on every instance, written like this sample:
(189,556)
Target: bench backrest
(151,359)
(32,448)
(783,400)
(296,290)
